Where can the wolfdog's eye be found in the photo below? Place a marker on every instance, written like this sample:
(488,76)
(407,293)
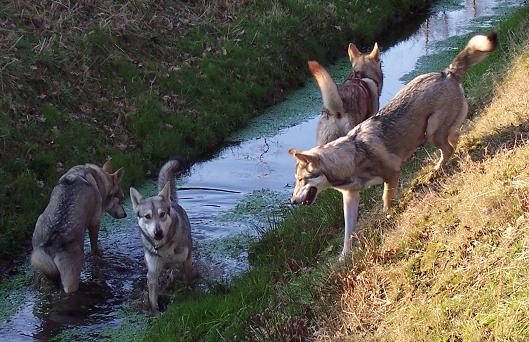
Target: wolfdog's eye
(162,214)
(147,216)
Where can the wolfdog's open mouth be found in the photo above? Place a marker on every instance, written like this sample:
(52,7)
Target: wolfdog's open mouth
(311,195)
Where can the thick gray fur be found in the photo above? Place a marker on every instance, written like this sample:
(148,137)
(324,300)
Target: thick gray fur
(76,203)
(165,231)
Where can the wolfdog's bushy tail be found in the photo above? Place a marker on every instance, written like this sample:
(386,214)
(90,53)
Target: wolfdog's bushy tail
(329,90)
(44,263)
(477,48)
(167,174)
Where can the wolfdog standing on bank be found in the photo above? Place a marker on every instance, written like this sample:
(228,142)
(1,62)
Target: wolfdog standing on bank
(347,104)
(431,108)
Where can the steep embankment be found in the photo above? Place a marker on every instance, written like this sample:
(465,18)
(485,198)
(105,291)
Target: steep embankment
(138,81)
(451,264)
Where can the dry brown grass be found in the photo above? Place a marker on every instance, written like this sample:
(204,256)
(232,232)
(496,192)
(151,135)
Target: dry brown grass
(119,16)
(52,21)
(456,265)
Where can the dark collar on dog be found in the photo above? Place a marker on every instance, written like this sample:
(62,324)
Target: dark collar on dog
(359,76)
(151,242)
(367,94)
(356,78)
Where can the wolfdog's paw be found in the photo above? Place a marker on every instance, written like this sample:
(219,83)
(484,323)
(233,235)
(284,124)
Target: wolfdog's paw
(148,307)
(344,257)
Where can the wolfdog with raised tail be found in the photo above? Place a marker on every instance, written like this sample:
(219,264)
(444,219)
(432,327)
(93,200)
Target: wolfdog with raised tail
(357,98)
(431,108)
(76,203)
(165,231)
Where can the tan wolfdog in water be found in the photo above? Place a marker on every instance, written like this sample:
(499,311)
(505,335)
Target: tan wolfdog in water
(76,203)
(347,104)
(430,108)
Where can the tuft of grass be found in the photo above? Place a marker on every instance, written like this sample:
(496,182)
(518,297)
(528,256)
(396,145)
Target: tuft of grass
(221,314)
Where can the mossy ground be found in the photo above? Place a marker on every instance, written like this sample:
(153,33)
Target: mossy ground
(451,264)
(11,294)
(138,81)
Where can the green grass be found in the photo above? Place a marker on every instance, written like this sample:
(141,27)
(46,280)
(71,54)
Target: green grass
(296,288)
(138,82)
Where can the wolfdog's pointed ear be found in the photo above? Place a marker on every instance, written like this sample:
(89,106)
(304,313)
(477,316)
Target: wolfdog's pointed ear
(293,151)
(353,52)
(306,158)
(375,53)
(166,191)
(135,198)
(107,167)
(329,90)
(118,176)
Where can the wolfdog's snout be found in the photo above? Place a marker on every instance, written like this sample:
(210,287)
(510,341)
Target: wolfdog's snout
(158,233)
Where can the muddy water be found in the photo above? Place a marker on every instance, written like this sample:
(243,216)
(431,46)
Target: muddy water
(228,199)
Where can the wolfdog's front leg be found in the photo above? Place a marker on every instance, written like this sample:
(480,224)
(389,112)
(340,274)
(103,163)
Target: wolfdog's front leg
(93,230)
(390,187)
(152,285)
(351,199)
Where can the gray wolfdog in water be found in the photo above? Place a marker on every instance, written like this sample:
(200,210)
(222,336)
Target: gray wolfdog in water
(76,203)
(431,108)
(346,105)
(165,231)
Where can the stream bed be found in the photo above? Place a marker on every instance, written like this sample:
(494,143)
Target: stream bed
(229,198)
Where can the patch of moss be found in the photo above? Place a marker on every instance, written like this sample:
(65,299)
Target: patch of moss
(12,293)
(257,207)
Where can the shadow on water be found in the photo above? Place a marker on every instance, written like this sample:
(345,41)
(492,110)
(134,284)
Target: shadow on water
(246,184)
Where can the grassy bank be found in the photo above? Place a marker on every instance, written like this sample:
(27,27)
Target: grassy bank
(450,265)
(138,81)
